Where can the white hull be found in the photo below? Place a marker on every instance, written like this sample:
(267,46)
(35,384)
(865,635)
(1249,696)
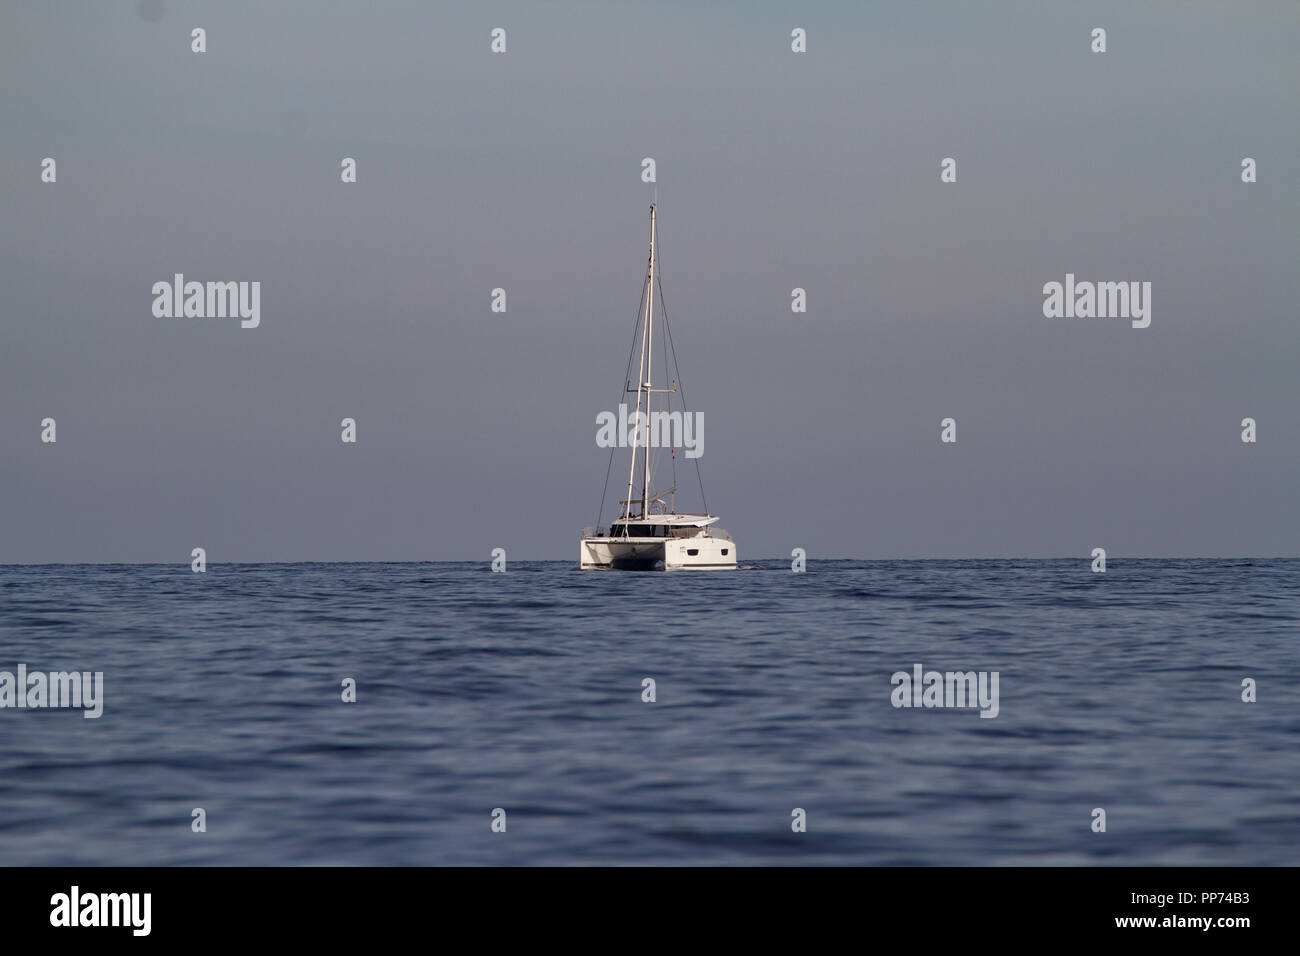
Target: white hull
(649,554)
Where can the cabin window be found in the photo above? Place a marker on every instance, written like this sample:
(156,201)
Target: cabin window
(695,551)
(647,530)
(724,550)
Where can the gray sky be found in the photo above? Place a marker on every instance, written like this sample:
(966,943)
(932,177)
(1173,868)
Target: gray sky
(776,170)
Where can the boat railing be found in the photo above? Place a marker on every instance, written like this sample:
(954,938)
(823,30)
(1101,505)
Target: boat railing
(593,532)
(719,533)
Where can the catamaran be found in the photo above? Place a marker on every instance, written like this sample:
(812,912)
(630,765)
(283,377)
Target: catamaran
(649,533)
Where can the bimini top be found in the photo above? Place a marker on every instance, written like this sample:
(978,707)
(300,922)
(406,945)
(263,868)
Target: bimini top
(672,520)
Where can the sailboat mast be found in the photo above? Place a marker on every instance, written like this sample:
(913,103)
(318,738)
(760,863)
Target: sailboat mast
(642,384)
(649,358)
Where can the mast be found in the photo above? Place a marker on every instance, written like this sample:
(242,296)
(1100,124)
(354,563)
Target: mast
(649,377)
(643,387)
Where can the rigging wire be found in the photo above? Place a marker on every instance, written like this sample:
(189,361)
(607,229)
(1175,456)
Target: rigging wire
(680,387)
(622,397)
(672,452)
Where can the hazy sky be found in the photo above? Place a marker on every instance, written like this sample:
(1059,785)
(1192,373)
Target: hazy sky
(819,170)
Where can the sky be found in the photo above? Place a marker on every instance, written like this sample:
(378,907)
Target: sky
(775,170)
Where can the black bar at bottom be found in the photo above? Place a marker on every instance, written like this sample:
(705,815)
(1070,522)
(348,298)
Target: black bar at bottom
(659,907)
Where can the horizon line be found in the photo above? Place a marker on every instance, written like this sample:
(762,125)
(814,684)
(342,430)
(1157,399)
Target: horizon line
(488,560)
